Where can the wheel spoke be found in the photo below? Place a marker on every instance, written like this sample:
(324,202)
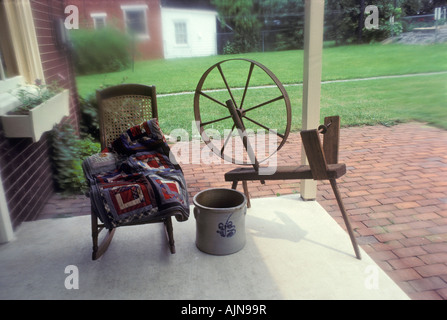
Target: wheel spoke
(213,121)
(252,65)
(226,84)
(226,140)
(266,128)
(240,109)
(212,99)
(265,103)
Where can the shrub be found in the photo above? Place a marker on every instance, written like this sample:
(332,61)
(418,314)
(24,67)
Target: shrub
(67,154)
(89,116)
(87,147)
(100,51)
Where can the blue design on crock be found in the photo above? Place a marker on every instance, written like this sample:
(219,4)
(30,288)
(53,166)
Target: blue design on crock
(228,229)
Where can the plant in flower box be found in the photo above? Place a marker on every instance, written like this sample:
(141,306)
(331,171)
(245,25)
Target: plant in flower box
(41,107)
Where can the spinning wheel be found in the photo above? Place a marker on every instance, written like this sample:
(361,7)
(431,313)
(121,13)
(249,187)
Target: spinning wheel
(240,106)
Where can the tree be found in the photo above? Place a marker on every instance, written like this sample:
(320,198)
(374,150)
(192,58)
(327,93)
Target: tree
(345,20)
(386,27)
(243,17)
(341,21)
(281,21)
(415,7)
(285,18)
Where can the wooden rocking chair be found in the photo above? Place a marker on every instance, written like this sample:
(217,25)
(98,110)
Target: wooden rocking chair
(121,107)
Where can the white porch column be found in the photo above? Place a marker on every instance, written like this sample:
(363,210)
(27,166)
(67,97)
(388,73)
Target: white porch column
(6,232)
(313,51)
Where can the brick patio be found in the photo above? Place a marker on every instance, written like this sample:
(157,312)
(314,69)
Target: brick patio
(395,191)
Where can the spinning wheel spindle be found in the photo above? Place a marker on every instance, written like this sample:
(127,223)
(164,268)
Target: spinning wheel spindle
(237,119)
(323,128)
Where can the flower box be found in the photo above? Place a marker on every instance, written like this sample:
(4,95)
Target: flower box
(39,119)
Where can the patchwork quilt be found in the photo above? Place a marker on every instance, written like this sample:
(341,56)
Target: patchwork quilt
(134,181)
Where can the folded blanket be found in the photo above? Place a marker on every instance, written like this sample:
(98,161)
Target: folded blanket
(130,191)
(144,137)
(136,182)
(150,160)
(126,197)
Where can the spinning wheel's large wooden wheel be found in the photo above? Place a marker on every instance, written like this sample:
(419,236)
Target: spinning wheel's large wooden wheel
(242,106)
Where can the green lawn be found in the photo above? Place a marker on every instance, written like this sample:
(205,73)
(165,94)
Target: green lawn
(382,101)
(347,62)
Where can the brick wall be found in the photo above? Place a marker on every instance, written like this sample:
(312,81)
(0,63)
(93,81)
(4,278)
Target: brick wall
(27,177)
(25,166)
(151,48)
(56,62)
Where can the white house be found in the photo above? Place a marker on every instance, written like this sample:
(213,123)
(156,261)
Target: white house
(188,32)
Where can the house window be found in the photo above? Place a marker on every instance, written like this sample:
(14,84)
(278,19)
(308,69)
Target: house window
(135,19)
(181,34)
(99,20)
(20,56)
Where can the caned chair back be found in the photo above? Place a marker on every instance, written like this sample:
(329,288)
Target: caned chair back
(122,107)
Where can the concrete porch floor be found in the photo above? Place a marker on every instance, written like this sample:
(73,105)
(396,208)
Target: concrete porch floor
(294,250)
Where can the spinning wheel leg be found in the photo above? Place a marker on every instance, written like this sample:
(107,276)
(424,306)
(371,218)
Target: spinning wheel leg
(345,218)
(244,185)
